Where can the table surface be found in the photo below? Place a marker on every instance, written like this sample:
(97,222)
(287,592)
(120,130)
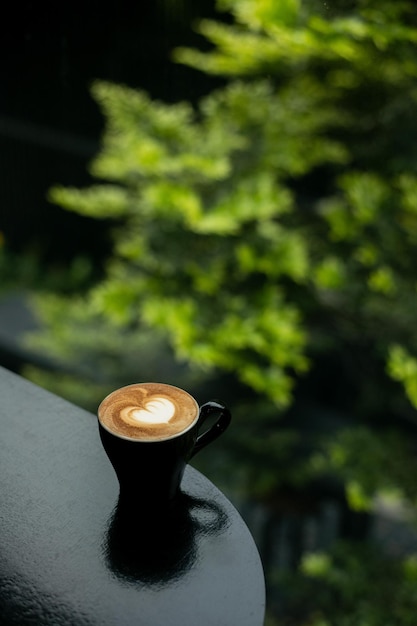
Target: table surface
(63,558)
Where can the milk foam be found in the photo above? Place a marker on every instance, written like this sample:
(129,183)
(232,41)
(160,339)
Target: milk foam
(156,411)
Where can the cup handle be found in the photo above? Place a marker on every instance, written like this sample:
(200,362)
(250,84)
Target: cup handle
(207,410)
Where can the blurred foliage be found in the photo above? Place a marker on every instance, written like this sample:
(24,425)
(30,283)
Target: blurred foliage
(92,358)
(351,586)
(267,233)
(279,218)
(274,223)
(26,271)
(389,465)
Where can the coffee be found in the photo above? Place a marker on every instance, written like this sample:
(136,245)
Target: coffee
(148,412)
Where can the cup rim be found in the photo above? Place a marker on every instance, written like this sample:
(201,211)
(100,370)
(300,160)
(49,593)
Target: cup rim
(155,439)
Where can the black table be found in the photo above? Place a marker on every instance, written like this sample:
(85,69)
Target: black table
(63,559)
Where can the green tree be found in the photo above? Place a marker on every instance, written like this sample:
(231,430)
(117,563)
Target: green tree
(277,221)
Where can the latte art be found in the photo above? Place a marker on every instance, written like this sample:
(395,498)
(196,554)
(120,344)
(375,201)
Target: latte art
(157,411)
(148,411)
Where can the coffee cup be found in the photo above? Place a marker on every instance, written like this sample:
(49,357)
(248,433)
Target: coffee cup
(149,432)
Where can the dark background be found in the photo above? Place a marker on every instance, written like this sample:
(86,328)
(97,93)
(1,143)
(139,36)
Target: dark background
(50,126)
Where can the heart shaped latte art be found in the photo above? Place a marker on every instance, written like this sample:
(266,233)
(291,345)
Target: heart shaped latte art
(156,411)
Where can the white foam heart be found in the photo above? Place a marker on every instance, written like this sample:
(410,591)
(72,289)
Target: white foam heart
(156,411)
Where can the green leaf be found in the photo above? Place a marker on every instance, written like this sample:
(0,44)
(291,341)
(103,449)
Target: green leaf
(402,366)
(99,201)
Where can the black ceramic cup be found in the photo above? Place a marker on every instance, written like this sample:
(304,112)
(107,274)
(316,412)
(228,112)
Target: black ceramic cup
(150,470)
